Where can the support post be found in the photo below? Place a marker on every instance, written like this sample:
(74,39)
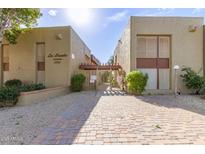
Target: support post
(110,78)
(96,81)
(175,83)
(176,67)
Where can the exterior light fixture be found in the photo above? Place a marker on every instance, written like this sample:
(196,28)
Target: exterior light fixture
(72,56)
(59,36)
(176,68)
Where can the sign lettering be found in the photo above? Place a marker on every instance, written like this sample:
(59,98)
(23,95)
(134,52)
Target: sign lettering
(57,57)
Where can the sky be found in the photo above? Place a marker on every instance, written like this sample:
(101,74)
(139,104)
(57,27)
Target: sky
(100,29)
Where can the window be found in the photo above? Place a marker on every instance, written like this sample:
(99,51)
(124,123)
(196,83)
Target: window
(40,56)
(153,54)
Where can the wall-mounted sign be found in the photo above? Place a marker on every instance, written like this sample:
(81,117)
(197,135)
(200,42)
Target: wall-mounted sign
(93,78)
(57,58)
(92,81)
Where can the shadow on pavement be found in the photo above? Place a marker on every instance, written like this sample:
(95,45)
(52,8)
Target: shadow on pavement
(65,128)
(185,102)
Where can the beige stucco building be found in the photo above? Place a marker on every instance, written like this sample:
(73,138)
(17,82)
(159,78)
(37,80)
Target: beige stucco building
(49,55)
(155,44)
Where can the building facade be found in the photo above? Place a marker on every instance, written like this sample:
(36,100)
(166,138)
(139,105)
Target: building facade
(49,55)
(154,45)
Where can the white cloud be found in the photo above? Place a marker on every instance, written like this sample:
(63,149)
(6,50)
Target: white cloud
(52,12)
(196,11)
(165,9)
(159,12)
(118,16)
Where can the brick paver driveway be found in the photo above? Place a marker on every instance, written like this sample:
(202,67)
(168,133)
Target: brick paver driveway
(121,119)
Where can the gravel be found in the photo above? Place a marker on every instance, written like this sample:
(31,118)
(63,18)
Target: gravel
(20,124)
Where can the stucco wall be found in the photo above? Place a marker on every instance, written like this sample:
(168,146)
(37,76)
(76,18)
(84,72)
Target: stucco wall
(78,53)
(19,68)
(22,58)
(122,50)
(27,98)
(57,73)
(186,47)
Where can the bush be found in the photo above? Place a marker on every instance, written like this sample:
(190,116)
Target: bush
(77,82)
(8,96)
(105,76)
(31,87)
(13,83)
(136,82)
(114,82)
(193,80)
(10,92)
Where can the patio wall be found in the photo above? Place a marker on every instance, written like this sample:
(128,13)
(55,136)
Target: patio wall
(27,98)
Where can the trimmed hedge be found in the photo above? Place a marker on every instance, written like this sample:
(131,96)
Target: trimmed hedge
(10,92)
(77,81)
(8,96)
(136,82)
(31,87)
(13,83)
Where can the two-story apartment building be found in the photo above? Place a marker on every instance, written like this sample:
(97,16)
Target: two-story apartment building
(154,45)
(49,55)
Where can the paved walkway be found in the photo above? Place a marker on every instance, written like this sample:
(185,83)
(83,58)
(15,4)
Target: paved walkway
(121,119)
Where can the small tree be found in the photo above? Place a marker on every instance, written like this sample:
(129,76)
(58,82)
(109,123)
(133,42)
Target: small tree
(136,82)
(192,79)
(111,60)
(12,19)
(77,81)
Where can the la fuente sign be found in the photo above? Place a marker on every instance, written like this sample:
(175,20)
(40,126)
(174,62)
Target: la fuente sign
(57,57)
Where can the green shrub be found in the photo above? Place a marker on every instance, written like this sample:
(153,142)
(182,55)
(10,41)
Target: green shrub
(114,82)
(8,96)
(13,83)
(10,92)
(193,80)
(136,82)
(31,87)
(105,76)
(77,81)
